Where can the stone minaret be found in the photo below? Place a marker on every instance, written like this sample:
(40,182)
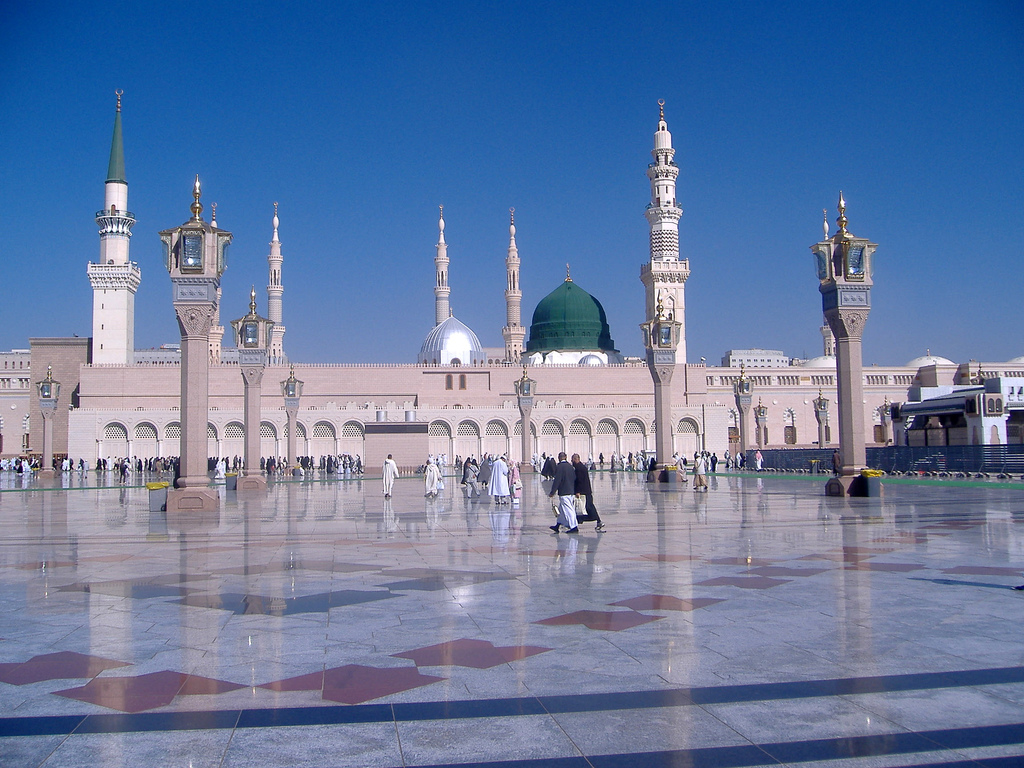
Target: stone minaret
(274,291)
(115,279)
(441,289)
(216,329)
(665,275)
(513,332)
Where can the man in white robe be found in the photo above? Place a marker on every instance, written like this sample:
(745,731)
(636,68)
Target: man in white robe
(499,488)
(389,473)
(431,479)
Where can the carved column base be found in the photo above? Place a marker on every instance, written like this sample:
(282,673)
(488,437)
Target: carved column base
(254,483)
(48,472)
(192,506)
(526,468)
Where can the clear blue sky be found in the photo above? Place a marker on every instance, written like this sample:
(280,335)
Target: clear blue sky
(360,118)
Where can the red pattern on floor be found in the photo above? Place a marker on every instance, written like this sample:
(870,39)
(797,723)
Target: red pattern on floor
(56,666)
(611,621)
(478,654)
(666,603)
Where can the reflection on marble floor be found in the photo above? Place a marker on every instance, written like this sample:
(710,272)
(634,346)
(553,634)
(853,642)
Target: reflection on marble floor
(759,622)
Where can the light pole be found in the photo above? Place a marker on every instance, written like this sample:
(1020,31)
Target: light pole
(291,388)
(525,388)
(821,416)
(761,422)
(252,337)
(195,254)
(48,390)
(844,266)
(661,338)
(742,391)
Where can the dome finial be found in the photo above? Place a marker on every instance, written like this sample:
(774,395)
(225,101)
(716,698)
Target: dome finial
(824,221)
(197,207)
(842,220)
(119,93)
(213,214)
(568,275)
(252,301)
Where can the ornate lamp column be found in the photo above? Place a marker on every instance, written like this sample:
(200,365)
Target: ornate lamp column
(761,421)
(252,337)
(661,338)
(195,256)
(821,416)
(291,388)
(844,276)
(48,390)
(742,390)
(885,417)
(524,394)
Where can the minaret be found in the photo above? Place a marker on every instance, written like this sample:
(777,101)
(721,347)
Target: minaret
(216,329)
(441,289)
(115,279)
(665,275)
(513,332)
(274,291)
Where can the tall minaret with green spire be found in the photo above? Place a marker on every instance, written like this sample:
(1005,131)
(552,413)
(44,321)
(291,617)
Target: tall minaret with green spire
(115,278)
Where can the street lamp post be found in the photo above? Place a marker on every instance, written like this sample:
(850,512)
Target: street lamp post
(525,388)
(252,337)
(661,338)
(743,392)
(48,390)
(195,255)
(761,422)
(821,416)
(844,267)
(291,388)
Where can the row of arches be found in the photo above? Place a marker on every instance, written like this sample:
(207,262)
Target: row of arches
(146,440)
(551,436)
(468,437)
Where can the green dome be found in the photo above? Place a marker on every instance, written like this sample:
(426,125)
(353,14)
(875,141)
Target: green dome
(569,318)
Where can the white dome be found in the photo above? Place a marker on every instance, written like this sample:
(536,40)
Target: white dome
(451,342)
(1017,360)
(825,361)
(590,360)
(929,359)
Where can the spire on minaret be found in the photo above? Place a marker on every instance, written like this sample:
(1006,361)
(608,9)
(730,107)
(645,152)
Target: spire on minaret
(115,170)
(115,278)
(824,221)
(275,290)
(441,289)
(665,275)
(514,333)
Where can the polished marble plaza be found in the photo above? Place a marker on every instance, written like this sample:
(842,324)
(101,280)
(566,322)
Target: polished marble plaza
(759,623)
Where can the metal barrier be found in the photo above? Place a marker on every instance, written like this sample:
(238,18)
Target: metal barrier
(992,459)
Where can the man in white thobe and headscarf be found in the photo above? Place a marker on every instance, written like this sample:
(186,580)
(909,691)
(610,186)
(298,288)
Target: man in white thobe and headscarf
(431,479)
(389,473)
(499,488)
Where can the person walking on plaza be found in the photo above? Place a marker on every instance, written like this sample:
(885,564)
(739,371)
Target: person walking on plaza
(586,491)
(758,461)
(388,474)
(548,470)
(700,472)
(564,487)
(515,482)
(431,479)
(485,470)
(499,488)
(837,462)
(472,486)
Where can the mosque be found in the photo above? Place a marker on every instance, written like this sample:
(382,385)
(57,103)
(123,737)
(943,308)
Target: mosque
(458,397)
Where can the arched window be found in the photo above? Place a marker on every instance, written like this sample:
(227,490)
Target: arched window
(448,381)
(462,381)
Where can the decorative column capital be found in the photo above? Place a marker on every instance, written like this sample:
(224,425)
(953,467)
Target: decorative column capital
(847,323)
(194,320)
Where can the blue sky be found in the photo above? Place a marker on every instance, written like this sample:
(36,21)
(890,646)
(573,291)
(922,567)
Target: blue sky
(359,119)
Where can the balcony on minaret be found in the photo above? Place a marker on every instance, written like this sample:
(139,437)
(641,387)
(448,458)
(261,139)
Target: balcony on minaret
(115,222)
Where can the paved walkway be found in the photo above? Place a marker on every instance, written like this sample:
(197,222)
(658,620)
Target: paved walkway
(757,624)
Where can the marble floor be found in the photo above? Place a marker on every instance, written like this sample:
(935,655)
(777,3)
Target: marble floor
(759,623)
